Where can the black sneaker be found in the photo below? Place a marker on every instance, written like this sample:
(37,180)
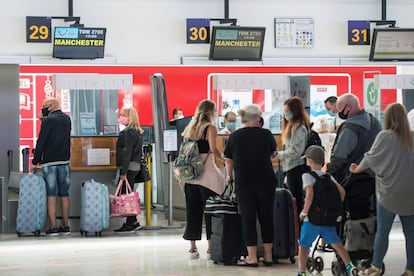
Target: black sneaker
(64,230)
(52,232)
(127,228)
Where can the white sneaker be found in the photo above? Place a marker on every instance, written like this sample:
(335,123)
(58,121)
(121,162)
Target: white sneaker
(193,254)
(371,271)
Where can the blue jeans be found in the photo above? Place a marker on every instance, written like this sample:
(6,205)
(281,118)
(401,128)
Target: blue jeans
(57,180)
(385,219)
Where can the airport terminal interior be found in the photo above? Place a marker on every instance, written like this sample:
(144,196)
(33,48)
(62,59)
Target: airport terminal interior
(158,249)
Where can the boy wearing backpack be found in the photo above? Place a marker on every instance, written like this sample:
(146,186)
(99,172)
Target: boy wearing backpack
(321,211)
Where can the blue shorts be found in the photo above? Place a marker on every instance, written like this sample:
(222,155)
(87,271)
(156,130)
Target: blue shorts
(309,233)
(57,180)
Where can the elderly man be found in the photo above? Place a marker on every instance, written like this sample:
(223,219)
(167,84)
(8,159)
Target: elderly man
(355,135)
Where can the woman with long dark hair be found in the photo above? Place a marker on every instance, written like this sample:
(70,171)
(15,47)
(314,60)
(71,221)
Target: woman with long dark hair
(295,133)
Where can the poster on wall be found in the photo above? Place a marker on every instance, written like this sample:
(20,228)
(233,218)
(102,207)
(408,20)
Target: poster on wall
(294,33)
(88,124)
(323,122)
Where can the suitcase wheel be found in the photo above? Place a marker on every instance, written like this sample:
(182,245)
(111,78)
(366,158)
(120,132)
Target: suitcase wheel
(19,234)
(81,232)
(318,262)
(36,233)
(292,260)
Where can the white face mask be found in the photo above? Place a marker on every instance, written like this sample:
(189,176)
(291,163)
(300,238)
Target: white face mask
(180,116)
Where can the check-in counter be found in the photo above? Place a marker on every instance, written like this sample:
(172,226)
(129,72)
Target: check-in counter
(99,164)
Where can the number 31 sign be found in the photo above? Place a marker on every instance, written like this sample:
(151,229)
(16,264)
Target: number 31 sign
(359,32)
(38,29)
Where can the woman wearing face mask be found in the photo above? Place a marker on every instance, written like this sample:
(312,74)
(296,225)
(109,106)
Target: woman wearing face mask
(295,131)
(230,122)
(128,157)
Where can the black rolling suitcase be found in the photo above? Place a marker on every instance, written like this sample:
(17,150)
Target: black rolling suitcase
(226,227)
(285,225)
(226,239)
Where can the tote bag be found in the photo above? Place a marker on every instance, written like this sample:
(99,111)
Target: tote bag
(224,204)
(124,205)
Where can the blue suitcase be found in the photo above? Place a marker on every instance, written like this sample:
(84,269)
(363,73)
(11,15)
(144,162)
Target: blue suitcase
(94,216)
(31,210)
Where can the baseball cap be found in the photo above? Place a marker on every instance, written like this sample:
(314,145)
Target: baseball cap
(315,153)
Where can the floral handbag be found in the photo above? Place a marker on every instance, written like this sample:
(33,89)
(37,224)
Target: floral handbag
(124,205)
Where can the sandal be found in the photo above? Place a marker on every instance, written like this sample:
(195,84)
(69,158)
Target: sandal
(246,264)
(372,271)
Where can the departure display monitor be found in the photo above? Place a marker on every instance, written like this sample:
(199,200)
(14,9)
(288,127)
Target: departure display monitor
(79,43)
(392,44)
(237,43)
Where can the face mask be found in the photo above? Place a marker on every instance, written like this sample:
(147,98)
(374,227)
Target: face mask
(123,120)
(331,113)
(231,126)
(342,114)
(180,117)
(45,111)
(288,115)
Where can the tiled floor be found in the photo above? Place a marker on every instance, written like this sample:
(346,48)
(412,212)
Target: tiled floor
(146,252)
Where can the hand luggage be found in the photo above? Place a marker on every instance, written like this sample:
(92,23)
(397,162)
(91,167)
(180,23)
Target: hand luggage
(285,225)
(94,216)
(31,210)
(226,238)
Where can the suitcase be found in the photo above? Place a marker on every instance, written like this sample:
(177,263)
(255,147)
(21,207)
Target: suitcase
(285,225)
(226,239)
(31,210)
(94,216)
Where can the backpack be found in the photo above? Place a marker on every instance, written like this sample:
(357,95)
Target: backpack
(326,208)
(313,139)
(189,164)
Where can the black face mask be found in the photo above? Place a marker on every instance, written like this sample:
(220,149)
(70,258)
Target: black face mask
(45,111)
(342,114)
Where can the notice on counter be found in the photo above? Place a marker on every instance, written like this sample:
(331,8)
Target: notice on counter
(170,140)
(98,157)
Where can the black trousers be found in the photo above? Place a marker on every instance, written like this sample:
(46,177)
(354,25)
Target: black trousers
(295,184)
(256,203)
(195,200)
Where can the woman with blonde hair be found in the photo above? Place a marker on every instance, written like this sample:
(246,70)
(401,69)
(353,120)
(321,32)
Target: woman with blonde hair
(295,133)
(391,158)
(211,182)
(128,157)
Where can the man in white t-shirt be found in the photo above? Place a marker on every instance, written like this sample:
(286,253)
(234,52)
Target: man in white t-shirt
(330,105)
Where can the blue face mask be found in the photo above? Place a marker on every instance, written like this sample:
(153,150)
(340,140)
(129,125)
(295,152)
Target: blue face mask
(331,113)
(288,115)
(231,126)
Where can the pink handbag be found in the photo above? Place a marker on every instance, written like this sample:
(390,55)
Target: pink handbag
(124,205)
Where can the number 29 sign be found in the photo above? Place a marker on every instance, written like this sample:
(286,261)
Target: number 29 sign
(38,29)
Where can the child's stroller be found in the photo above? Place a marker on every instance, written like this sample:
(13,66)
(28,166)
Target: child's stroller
(357,230)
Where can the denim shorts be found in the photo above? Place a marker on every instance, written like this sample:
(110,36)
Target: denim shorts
(57,180)
(309,233)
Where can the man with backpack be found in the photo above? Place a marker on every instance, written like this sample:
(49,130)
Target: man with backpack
(322,210)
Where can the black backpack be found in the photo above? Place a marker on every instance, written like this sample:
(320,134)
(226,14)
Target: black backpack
(326,208)
(313,139)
